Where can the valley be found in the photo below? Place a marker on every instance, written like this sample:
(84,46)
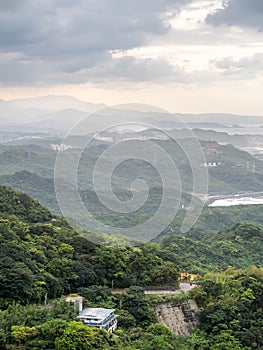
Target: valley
(48,259)
(131,175)
(42,257)
(45,256)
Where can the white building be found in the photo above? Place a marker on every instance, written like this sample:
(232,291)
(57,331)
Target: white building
(99,317)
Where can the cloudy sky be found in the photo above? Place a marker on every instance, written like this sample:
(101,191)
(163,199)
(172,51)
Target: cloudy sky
(183,55)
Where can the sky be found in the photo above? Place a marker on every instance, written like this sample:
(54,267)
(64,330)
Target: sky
(187,56)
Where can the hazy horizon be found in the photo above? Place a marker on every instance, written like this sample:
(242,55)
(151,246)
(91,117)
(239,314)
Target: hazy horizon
(102,104)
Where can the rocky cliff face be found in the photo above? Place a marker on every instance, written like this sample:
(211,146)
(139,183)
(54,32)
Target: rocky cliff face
(181,318)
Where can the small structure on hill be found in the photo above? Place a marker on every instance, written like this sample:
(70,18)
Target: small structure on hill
(188,276)
(77,300)
(99,317)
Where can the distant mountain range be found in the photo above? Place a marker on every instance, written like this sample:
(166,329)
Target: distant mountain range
(59,121)
(60,113)
(40,113)
(55,103)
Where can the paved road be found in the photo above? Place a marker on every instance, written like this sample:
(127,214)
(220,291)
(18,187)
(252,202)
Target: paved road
(183,287)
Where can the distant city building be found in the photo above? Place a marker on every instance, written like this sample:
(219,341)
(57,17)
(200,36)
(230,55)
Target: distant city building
(99,317)
(210,164)
(60,147)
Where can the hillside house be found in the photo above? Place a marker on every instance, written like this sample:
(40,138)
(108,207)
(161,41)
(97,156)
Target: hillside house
(99,317)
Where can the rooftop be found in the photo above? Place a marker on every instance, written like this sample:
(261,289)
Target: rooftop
(97,314)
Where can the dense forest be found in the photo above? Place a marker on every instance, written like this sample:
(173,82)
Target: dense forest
(42,260)
(211,220)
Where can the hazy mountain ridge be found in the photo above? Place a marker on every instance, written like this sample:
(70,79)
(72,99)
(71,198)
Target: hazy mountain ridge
(17,114)
(56,103)
(27,113)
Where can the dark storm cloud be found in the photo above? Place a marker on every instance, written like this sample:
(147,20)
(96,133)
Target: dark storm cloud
(247,13)
(54,39)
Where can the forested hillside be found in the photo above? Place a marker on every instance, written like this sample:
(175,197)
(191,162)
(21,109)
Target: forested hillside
(239,246)
(212,219)
(41,254)
(42,259)
(231,162)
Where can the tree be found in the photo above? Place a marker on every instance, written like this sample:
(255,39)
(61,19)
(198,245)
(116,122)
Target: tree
(225,341)
(135,302)
(22,334)
(77,336)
